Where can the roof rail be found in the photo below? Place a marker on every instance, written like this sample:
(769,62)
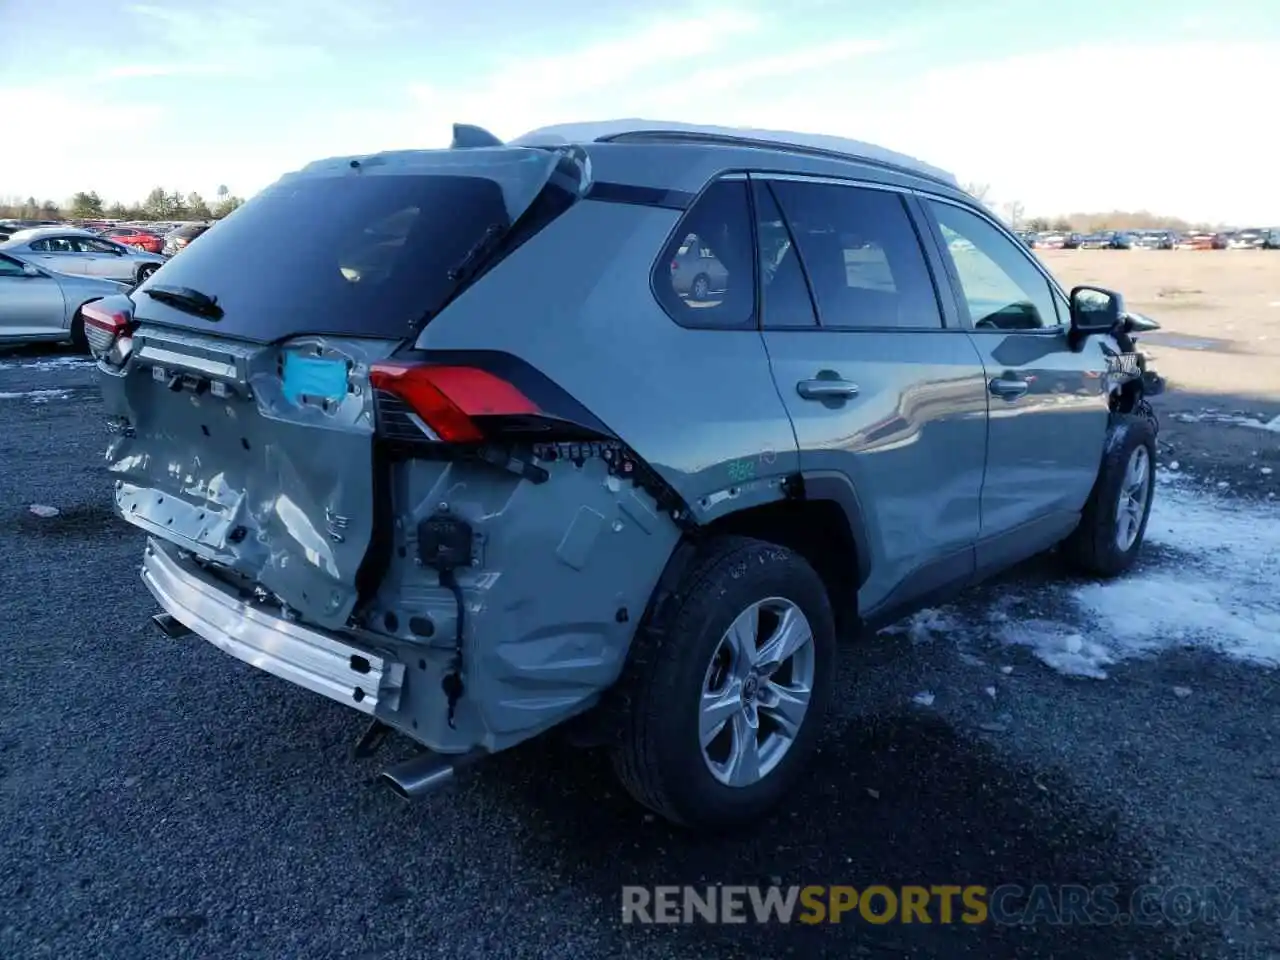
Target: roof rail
(662,131)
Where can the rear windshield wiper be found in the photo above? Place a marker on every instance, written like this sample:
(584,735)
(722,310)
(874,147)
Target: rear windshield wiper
(185,298)
(476,256)
(472,262)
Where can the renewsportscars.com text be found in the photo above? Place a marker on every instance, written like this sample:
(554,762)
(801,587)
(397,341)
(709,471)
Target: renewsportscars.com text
(1008,904)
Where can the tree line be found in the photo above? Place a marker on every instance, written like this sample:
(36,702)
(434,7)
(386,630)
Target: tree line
(1014,214)
(160,204)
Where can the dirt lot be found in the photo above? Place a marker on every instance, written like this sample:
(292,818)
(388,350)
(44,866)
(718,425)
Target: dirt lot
(1219,346)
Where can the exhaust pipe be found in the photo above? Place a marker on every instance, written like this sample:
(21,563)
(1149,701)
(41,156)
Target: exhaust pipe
(171,626)
(422,774)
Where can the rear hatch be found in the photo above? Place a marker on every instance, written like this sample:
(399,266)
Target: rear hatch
(236,378)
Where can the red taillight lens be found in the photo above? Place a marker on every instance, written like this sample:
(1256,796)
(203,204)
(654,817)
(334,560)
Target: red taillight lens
(449,398)
(106,322)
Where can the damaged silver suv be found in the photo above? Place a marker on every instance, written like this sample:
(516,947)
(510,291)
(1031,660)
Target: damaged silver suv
(471,455)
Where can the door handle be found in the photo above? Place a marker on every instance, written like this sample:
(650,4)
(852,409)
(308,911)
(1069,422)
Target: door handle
(826,389)
(1008,388)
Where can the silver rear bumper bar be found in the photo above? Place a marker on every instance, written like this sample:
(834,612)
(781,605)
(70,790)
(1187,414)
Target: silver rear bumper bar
(303,655)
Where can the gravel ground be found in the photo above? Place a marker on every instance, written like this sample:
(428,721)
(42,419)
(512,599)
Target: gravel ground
(161,799)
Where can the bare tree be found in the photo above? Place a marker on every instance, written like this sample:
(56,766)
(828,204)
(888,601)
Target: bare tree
(1013,213)
(979,191)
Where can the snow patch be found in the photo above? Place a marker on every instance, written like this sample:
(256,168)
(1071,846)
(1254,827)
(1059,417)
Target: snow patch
(1060,646)
(37,396)
(1216,586)
(1239,419)
(920,627)
(48,364)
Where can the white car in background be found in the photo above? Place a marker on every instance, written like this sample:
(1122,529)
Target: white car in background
(80,252)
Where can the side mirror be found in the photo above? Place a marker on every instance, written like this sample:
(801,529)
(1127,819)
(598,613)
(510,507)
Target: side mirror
(29,271)
(1094,310)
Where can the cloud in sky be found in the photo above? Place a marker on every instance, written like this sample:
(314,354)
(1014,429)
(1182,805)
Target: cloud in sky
(1154,114)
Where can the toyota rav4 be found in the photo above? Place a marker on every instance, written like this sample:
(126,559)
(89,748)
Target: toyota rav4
(470,456)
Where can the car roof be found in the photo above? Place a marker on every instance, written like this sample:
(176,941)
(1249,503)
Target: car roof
(38,233)
(650,131)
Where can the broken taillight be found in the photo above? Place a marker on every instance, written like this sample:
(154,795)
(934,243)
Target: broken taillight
(448,399)
(108,328)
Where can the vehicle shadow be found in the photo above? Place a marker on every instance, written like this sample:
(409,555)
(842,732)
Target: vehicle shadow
(895,799)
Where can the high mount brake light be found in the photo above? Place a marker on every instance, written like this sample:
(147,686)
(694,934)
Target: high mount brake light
(449,398)
(108,324)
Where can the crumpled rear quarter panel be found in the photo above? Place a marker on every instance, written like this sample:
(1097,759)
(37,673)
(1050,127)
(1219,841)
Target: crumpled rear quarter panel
(565,569)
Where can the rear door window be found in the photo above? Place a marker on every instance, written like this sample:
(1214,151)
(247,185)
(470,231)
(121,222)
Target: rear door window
(706,275)
(862,256)
(785,301)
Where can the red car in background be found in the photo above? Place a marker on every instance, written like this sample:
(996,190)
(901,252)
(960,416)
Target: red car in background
(133,237)
(1201,240)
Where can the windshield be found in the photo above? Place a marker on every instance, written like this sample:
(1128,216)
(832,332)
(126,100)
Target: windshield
(360,253)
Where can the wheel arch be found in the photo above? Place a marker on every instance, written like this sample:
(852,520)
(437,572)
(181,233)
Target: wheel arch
(820,518)
(76,325)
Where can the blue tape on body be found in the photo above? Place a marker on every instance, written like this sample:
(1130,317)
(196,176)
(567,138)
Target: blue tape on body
(314,377)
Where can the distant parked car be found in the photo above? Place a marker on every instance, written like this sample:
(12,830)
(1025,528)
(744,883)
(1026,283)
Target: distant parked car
(9,227)
(135,237)
(177,240)
(1202,240)
(696,272)
(1155,239)
(1256,238)
(81,252)
(40,304)
(1104,240)
(1029,237)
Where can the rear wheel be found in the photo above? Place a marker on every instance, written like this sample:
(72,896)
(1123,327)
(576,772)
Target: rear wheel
(726,689)
(1113,524)
(701,287)
(144,271)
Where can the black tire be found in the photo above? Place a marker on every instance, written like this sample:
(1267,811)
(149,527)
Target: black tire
(1094,546)
(703,282)
(659,755)
(78,342)
(144,271)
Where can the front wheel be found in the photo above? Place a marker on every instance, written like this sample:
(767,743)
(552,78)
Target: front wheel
(726,689)
(1113,523)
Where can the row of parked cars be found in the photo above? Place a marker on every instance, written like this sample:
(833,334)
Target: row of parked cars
(1254,238)
(49,271)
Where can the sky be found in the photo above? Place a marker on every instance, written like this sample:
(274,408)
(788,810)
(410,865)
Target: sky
(1061,105)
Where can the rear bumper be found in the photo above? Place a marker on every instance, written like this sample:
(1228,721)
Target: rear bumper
(310,658)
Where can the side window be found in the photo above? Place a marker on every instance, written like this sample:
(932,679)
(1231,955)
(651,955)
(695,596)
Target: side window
(1002,288)
(88,245)
(42,246)
(784,292)
(706,275)
(862,256)
(10,268)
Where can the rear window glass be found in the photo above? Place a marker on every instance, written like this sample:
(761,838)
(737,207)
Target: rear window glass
(706,276)
(364,255)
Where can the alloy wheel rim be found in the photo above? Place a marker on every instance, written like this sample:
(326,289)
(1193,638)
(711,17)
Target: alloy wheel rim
(1135,489)
(756,692)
